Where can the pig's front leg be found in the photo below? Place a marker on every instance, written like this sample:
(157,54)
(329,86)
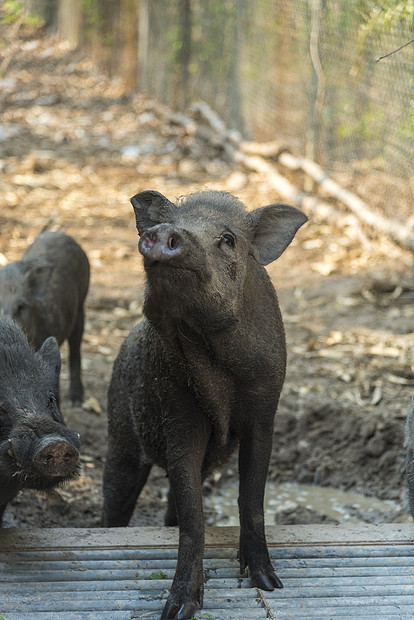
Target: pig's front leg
(184,472)
(254,456)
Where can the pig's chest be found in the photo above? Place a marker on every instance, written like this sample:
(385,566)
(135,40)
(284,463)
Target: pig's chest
(213,386)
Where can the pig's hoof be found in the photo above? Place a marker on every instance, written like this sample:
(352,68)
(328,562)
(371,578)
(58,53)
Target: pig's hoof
(175,611)
(265,580)
(76,396)
(75,400)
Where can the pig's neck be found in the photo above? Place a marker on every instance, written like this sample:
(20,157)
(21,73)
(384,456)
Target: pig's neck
(193,323)
(241,342)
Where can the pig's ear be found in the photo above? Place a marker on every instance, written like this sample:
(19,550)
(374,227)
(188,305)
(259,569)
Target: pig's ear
(37,280)
(274,228)
(49,351)
(150,208)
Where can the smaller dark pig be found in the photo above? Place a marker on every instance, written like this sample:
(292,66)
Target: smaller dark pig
(409,445)
(45,293)
(201,373)
(37,451)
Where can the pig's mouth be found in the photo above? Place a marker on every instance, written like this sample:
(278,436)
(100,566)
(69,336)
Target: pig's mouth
(161,265)
(175,271)
(30,479)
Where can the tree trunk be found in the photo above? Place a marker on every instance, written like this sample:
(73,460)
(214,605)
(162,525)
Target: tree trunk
(184,56)
(312,148)
(69,20)
(235,95)
(143,44)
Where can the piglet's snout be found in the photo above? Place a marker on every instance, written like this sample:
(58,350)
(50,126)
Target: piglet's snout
(56,457)
(161,243)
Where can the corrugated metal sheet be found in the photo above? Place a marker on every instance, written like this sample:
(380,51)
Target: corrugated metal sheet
(359,581)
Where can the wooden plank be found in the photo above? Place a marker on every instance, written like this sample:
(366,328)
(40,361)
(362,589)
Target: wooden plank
(160,537)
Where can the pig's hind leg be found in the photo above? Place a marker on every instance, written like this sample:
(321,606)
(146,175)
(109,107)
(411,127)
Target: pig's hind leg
(124,476)
(123,479)
(75,339)
(254,456)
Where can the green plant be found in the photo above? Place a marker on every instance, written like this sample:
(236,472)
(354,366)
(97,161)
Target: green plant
(13,11)
(382,17)
(93,14)
(158,575)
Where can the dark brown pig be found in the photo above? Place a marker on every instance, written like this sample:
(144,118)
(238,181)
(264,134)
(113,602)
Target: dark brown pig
(409,445)
(45,293)
(37,451)
(201,373)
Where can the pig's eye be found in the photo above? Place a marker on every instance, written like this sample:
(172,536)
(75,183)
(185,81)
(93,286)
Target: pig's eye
(228,238)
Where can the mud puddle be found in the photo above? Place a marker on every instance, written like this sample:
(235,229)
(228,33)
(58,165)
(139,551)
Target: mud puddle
(296,503)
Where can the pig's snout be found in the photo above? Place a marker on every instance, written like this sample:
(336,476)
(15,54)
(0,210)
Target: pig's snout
(55,457)
(161,243)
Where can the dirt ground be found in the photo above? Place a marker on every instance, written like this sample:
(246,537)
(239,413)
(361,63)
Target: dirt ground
(74,147)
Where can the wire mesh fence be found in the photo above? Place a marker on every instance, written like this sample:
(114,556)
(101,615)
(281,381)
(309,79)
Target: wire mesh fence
(303,71)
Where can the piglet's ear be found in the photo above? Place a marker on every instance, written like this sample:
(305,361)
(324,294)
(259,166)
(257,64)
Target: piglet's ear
(274,228)
(37,280)
(49,351)
(150,208)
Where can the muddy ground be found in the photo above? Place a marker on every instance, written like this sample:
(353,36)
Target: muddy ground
(74,147)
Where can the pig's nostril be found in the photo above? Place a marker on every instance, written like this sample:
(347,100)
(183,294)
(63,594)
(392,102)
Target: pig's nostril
(172,243)
(149,241)
(51,458)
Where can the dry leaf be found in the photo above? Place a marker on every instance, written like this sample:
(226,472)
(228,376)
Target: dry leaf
(92,404)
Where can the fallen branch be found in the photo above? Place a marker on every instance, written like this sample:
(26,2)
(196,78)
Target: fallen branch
(245,153)
(310,204)
(401,234)
(220,135)
(13,35)
(272,149)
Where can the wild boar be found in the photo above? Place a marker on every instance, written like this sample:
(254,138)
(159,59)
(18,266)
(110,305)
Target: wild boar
(201,373)
(409,445)
(37,451)
(45,293)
